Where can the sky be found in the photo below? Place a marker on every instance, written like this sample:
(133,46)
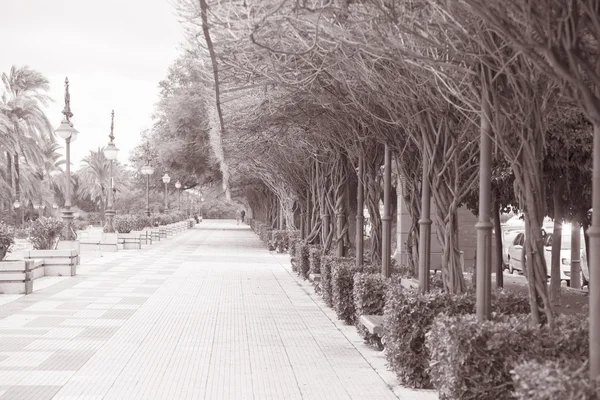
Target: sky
(114,53)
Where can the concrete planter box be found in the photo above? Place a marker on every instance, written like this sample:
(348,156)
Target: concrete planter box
(129,241)
(56,262)
(162,231)
(70,245)
(99,241)
(16,276)
(155,234)
(145,236)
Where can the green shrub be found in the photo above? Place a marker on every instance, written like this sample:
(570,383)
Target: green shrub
(342,286)
(44,233)
(473,360)
(369,299)
(141,221)
(293,238)
(302,256)
(314,259)
(327,262)
(408,316)
(297,256)
(123,223)
(21,233)
(550,380)
(7,239)
(280,240)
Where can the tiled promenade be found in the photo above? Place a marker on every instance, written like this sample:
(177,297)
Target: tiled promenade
(207,314)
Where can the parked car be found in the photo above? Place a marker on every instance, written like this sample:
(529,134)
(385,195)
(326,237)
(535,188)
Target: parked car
(516,254)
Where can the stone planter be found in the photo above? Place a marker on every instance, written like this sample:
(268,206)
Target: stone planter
(130,241)
(56,262)
(16,276)
(70,245)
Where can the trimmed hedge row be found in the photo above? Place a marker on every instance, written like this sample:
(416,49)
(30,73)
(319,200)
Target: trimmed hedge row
(369,299)
(408,318)
(314,259)
(550,380)
(474,360)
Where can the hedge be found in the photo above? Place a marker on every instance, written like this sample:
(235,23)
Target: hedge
(409,315)
(342,287)
(369,299)
(327,261)
(472,360)
(314,259)
(550,380)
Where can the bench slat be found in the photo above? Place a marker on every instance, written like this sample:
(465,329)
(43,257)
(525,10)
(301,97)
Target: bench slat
(373,323)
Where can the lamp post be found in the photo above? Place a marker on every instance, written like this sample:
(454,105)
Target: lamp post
(178,186)
(166,179)
(16,206)
(111,152)
(67,132)
(147,170)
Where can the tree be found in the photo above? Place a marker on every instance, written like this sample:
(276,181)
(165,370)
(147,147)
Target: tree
(93,178)
(24,94)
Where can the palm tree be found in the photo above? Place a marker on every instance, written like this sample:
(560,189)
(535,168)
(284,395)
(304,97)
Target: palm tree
(94,178)
(24,121)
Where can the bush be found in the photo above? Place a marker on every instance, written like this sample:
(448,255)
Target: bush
(302,260)
(473,360)
(44,233)
(408,317)
(550,380)
(280,240)
(141,221)
(7,239)
(327,263)
(293,238)
(124,223)
(369,299)
(314,259)
(21,233)
(342,284)
(297,255)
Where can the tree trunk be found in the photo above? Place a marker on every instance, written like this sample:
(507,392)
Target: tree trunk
(556,244)
(498,238)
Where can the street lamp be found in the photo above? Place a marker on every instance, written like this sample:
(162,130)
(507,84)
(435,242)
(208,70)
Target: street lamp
(111,152)
(166,179)
(147,170)
(67,132)
(178,186)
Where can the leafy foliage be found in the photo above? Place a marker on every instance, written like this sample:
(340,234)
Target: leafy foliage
(369,291)
(314,259)
(408,316)
(549,380)
(44,233)
(7,239)
(472,360)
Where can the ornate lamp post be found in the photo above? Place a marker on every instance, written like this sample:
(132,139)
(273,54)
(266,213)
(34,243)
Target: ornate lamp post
(147,170)
(16,206)
(178,186)
(166,179)
(67,132)
(111,153)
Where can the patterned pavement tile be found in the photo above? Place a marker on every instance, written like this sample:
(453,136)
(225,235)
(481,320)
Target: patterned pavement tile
(208,314)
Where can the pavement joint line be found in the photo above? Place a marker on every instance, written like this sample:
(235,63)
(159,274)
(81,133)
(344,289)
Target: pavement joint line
(209,315)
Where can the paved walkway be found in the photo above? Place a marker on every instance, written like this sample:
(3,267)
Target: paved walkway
(208,314)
